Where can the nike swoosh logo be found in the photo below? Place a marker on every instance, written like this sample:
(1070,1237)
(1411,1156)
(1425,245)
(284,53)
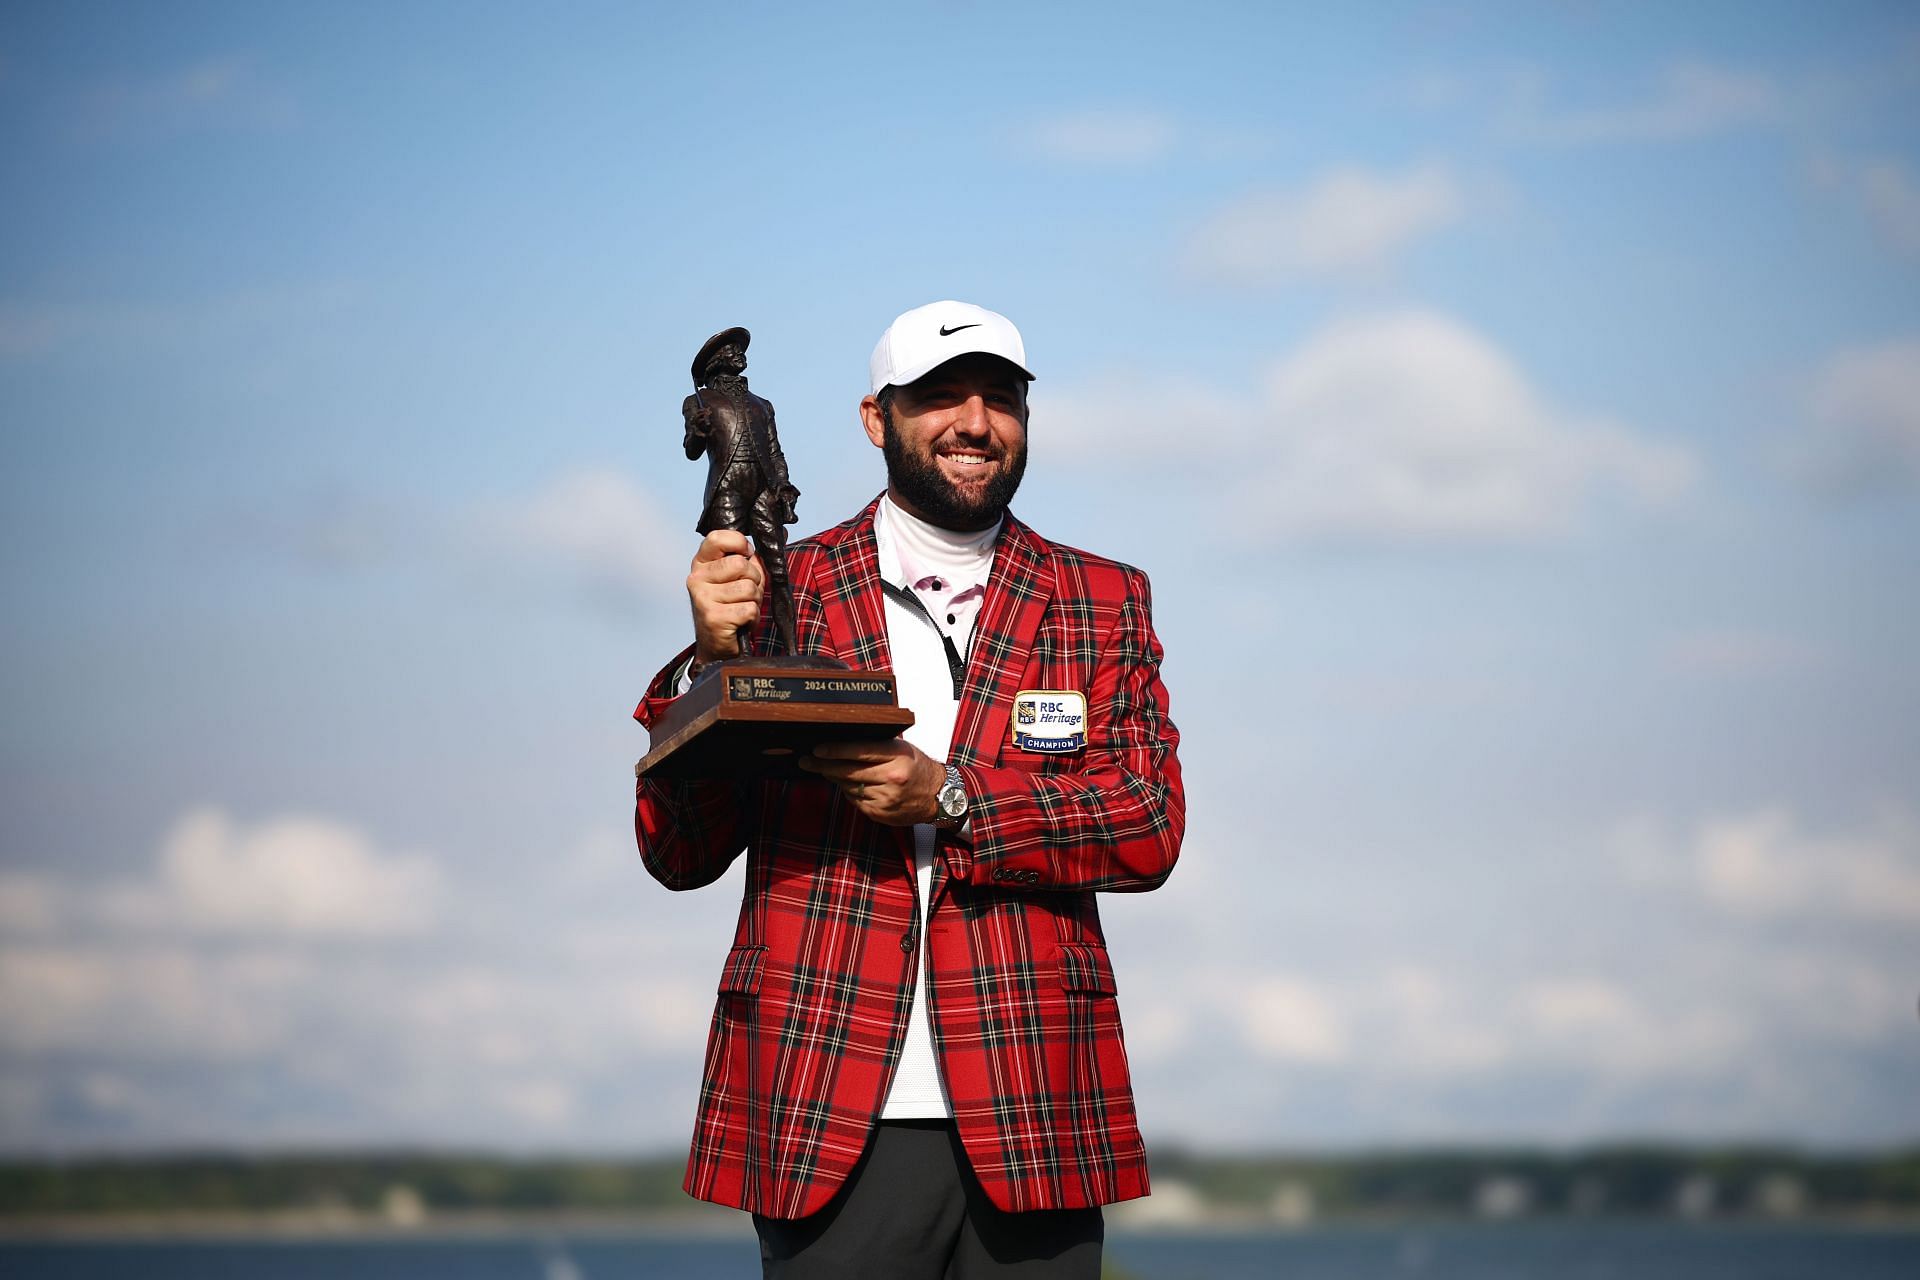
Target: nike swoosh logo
(948,333)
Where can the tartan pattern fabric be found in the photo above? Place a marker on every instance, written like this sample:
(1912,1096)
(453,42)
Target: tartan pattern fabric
(815,993)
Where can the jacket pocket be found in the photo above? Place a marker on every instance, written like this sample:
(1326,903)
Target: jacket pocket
(1085,967)
(741,973)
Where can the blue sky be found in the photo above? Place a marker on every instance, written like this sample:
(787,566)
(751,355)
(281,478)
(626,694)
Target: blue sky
(1517,408)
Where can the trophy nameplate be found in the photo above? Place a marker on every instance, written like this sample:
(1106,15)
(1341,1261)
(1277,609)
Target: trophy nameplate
(755,717)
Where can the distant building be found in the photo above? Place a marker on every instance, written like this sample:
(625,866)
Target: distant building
(403,1206)
(1588,1196)
(1502,1196)
(1780,1195)
(1696,1196)
(1172,1204)
(1293,1204)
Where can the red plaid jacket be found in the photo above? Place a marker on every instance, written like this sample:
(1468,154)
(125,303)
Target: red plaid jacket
(815,993)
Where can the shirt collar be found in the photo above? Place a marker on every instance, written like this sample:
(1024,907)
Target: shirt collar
(909,545)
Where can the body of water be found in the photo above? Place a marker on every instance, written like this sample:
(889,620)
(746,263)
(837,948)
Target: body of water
(1545,1251)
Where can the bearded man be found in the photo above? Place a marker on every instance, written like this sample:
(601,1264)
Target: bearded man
(915,1067)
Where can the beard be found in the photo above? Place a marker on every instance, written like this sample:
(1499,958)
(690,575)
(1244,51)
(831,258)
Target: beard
(916,477)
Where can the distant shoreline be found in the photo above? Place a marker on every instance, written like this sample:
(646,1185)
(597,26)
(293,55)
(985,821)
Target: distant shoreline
(698,1221)
(410,1196)
(322,1225)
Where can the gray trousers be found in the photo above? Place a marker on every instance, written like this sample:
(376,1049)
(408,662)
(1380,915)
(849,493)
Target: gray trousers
(912,1210)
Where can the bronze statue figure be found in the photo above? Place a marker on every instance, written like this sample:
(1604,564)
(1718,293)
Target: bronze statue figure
(747,484)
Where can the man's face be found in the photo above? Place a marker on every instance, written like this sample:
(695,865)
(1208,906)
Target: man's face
(727,360)
(955,441)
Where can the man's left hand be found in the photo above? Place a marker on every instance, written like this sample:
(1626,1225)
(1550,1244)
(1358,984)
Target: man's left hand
(893,782)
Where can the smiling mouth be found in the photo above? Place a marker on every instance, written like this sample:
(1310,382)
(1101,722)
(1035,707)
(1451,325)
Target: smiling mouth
(966,459)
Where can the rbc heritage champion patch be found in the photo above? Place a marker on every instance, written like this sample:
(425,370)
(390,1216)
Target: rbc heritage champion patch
(1049,720)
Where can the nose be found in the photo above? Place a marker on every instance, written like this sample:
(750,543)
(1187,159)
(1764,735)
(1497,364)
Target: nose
(971,421)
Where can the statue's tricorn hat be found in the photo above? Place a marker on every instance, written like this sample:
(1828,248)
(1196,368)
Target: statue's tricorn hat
(734,337)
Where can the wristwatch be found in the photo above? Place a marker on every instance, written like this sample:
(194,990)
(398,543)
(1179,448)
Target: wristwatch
(951,801)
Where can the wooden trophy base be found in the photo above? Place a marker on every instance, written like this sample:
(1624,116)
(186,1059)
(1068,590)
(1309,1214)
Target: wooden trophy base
(755,717)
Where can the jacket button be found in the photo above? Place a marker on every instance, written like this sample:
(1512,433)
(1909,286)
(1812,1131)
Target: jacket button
(906,942)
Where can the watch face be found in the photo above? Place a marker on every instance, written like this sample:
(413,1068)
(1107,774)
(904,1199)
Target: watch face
(953,801)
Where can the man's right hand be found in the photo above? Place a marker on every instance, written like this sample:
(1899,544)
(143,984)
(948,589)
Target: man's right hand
(724,587)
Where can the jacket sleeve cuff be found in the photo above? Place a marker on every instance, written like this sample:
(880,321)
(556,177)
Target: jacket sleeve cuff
(667,685)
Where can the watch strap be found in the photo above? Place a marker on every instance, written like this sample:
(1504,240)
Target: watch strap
(953,785)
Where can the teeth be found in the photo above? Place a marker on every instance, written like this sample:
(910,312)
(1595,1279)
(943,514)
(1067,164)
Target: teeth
(965,459)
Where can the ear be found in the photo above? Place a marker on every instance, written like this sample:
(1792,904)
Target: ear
(873,420)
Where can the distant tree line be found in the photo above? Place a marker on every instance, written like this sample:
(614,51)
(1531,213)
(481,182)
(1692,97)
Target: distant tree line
(1613,1180)
(1488,1182)
(362,1183)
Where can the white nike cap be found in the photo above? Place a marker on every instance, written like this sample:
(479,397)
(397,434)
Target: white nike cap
(925,338)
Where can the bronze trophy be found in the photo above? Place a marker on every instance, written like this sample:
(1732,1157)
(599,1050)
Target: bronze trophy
(754,717)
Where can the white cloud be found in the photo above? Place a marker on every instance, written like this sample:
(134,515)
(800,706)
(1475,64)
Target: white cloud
(590,531)
(484,1022)
(1886,191)
(1348,222)
(1865,409)
(273,327)
(1397,696)
(1456,1023)
(146,1002)
(1582,1006)
(1845,1000)
(291,981)
(1418,1042)
(1109,138)
(1160,1027)
(1414,424)
(1428,1025)
(596,522)
(1734,651)
(1892,200)
(1692,100)
(1602,1026)
(30,330)
(1288,1020)
(1402,426)
(291,875)
(216,93)
(28,905)
(1763,864)
(543,1103)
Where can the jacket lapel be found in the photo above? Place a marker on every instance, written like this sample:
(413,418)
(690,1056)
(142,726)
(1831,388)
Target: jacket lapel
(1019,587)
(848,588)
(847,584)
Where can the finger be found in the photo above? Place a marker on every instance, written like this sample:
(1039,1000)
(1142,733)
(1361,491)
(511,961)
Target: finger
(734,569)
(713,594)
(829,767)
(861,754)
(736,591)
(729,618)
(834,770)
(721,626)
(724,569)
(843,772)
(721,543)
(843,750)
